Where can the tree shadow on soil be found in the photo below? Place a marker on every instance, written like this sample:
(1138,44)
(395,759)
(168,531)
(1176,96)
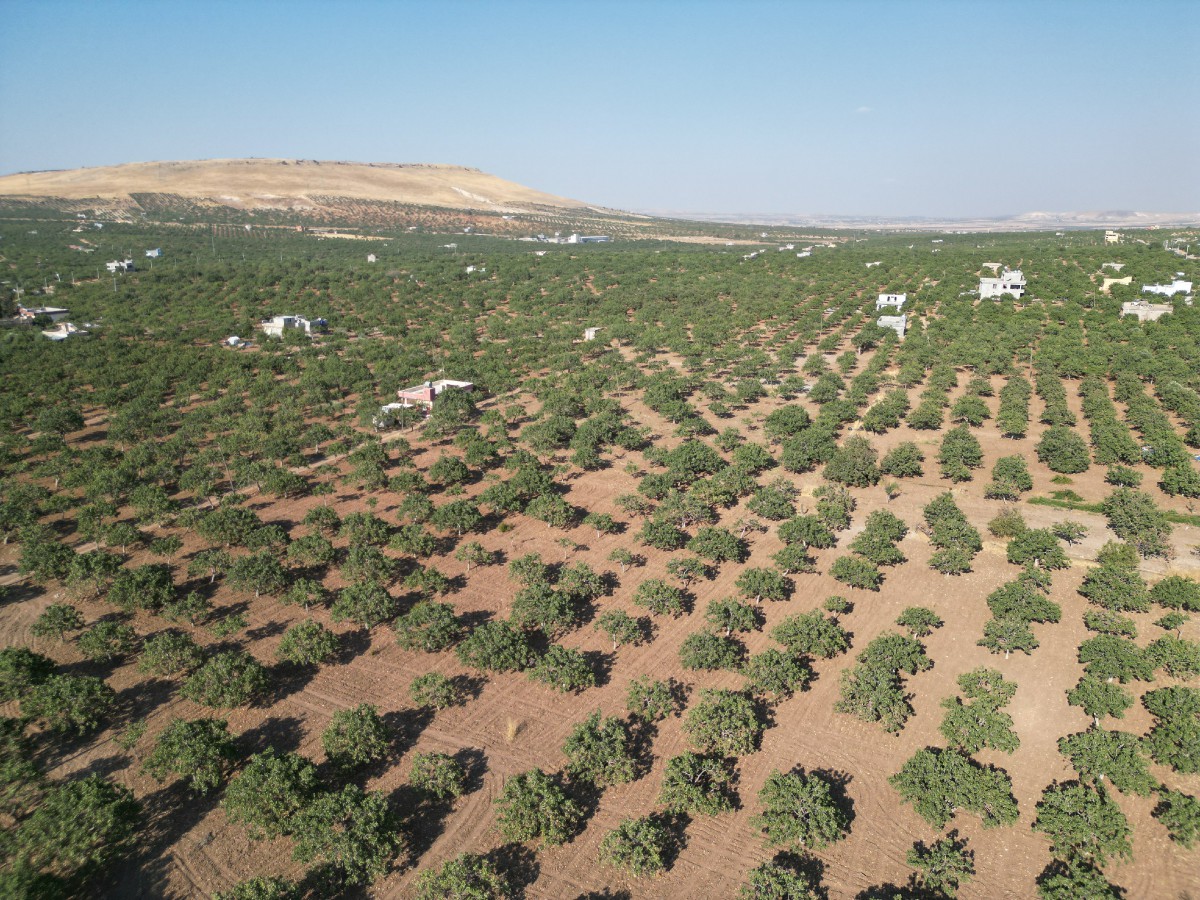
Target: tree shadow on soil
(405,726)
(519,864)
(279,732)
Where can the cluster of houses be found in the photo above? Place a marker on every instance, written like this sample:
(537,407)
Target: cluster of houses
(573,238)
(1145,311)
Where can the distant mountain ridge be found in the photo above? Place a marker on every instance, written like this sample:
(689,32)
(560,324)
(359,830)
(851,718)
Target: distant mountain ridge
(287,184)
(1030,221)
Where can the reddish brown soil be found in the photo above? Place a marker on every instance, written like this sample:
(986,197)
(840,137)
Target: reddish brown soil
(192,850)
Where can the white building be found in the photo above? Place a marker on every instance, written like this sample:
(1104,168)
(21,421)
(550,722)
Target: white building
(425,394)
(1146,311)
(62,331)
(894,300)
(53,313)
(1009,281)
(1112,237)
(276,326)
(370,257)
(589,334)
(898,324)
(119,265)
(154,254)
(1168,290)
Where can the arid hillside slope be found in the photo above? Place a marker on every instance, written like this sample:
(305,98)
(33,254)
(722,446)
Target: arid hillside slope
(287,183)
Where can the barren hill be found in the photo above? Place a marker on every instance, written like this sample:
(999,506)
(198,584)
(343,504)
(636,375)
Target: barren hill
(286,184)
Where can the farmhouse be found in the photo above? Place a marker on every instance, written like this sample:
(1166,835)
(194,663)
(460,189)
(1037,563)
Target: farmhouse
(119,265)
(898,324)
(62,331)
(53,313)
(895,300)
(1112,237)
(154,254)
(1168,290)
(1009,281)
(424,394)
(275,327)
(1146,311)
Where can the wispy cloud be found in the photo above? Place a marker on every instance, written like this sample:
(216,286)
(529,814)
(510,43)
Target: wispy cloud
(863,110)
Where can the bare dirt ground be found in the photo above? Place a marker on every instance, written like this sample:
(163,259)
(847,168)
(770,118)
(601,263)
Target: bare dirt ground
(513,724)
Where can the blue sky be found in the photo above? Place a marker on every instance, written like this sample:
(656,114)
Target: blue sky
(885,107)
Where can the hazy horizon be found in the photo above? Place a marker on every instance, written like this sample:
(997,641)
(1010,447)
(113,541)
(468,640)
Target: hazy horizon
(922,109)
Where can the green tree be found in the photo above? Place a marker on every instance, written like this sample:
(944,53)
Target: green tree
(621,628)
(69,702)
(731,615)
(1134,518)
(79,827)
(760,584)
(653,701)
(437,775)
(724,722)
(855,571)
(775,673)
(1061,449)
(56,620)
(960,452)
(270,792)
(1083,822)
(465,877)
(459,516)
(812,634)
(919,621)
(640,846)
(352,831)
(702,650)
(261,887)
(200,751)
(435,690)
(308,643)
(1037,547)
(599,751)
(1116,756)
(21,670)
(168,653)
(855,464)
(942,867)
(534,806)
(497,647)
(905,460)
(1109,656)
(564,669)
(1007,634)
(148,587)
(659,597)
(107,641)
(697,784)
(1180,813)
(773,881)
(365,603)
(800,810)
(225,680)
(428,626)
(939,783)
(1177,592)
(1175,738)
(1099,698)
(355,738)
